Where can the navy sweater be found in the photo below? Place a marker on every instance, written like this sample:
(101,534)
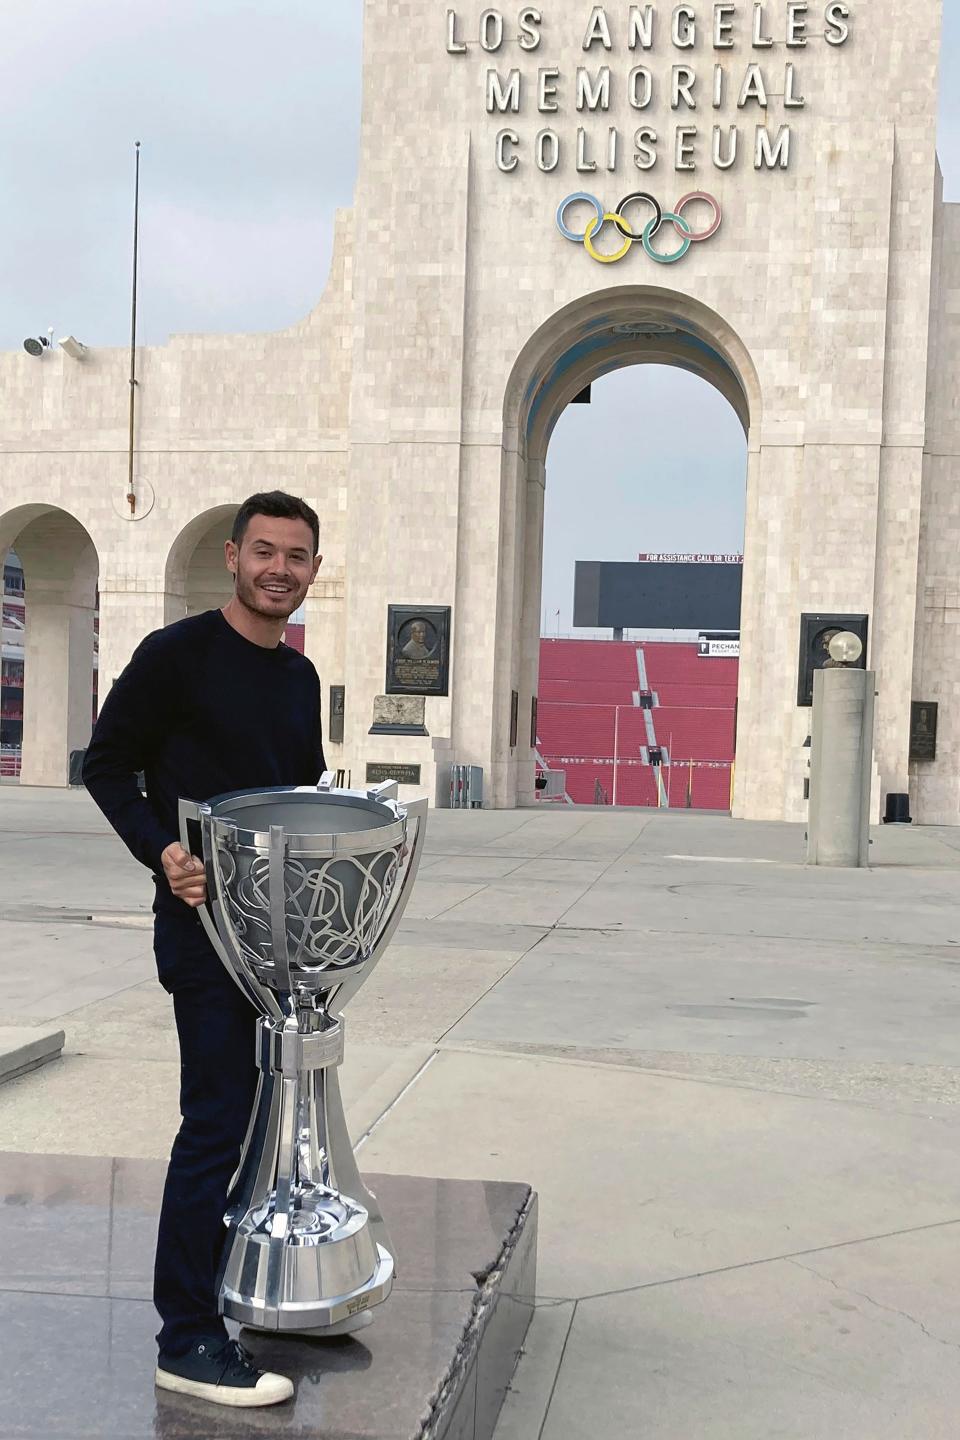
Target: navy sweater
(200,710)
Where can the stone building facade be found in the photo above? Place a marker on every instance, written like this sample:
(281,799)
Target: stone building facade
(467,305)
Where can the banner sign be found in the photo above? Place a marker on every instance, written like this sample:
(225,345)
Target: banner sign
(710,647)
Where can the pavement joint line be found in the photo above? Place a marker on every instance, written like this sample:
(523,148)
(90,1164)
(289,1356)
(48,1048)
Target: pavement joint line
(718,1081)
(890,1309)
(147,1300)
(932,948)
(792,1255)
(480,885)
(553,1387)
(558,923)
(395,1102)
(93,1000)
(491,987)
(808,940)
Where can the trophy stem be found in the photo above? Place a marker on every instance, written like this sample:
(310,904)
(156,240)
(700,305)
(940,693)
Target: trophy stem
(348,1173)
(302,1223)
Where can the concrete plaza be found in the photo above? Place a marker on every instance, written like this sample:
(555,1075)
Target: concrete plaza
(732,1080)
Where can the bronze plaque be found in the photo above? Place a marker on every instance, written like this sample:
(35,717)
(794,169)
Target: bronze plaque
(514,718)
(403,774)
(418,650)
(816,632)
(337,706)
(923,730)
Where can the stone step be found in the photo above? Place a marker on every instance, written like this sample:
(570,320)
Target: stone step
(27,1047)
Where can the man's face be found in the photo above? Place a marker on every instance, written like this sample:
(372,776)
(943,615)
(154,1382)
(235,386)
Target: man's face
(418,633)
(274,565)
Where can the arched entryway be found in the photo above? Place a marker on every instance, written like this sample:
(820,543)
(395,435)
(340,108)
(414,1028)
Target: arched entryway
(633,710)
(60,569)
(197,578)
(577,346)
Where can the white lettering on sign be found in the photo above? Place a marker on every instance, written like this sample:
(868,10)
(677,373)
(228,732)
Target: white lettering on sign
(719,73)
(675,559)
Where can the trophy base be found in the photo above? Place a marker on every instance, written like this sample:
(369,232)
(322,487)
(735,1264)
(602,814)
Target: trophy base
(304,1309)
(323,1332)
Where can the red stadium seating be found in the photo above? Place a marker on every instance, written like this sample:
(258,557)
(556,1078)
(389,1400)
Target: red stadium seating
(583,686)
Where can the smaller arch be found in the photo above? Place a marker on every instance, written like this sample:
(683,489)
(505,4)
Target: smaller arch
(195,571)
(57,661)
(59,525)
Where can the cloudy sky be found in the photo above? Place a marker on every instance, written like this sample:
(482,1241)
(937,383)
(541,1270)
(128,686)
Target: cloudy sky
(249,118)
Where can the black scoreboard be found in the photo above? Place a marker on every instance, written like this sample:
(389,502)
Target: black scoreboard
(657,595)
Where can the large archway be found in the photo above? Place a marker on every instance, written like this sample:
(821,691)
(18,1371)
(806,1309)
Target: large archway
(581,343)
(636,705)
(60,569)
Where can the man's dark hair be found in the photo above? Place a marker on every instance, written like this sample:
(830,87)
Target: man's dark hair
(279,506)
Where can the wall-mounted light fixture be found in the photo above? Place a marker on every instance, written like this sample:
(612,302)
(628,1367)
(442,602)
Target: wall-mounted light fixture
(73,347)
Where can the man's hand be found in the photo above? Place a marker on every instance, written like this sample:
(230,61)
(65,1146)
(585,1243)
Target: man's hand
(185,875)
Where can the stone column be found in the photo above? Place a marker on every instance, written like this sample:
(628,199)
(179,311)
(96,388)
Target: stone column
(130,608)
(530,641)
(841,766)
(58,669)
(324,645)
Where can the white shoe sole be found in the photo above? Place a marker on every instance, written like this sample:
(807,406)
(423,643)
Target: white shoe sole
(270,1390)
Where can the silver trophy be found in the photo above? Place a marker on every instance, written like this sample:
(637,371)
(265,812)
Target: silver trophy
(305,888)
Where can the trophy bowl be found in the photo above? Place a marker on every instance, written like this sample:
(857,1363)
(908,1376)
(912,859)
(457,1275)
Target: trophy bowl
(305,887)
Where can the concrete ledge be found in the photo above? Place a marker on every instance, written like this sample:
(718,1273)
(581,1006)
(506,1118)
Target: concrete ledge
(24,1048)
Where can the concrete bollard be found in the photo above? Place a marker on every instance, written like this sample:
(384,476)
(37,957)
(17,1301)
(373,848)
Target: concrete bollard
(841,760)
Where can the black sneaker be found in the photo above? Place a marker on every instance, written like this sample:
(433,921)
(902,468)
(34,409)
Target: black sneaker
(223,1373)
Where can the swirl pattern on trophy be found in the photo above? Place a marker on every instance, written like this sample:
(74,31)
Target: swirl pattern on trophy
(334,908)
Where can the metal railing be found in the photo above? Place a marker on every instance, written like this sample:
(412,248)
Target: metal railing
(10,764)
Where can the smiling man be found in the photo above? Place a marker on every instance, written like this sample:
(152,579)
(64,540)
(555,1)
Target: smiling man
(210,704)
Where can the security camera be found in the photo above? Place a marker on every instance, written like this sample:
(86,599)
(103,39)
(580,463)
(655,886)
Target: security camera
(73,347)
(36,346)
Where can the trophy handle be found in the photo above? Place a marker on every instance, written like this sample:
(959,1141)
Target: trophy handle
(213,908)
(278,910)
(417,811)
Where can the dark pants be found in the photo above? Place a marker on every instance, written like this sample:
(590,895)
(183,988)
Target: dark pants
(218,1077)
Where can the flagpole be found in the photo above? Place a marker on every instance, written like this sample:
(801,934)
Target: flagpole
(131,492)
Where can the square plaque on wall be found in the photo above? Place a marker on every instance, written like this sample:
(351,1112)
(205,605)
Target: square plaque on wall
(337,707)
(418,650)
(816,632)
(923,730)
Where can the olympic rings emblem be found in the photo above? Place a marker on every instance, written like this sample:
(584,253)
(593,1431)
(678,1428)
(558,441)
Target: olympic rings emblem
(618,218)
